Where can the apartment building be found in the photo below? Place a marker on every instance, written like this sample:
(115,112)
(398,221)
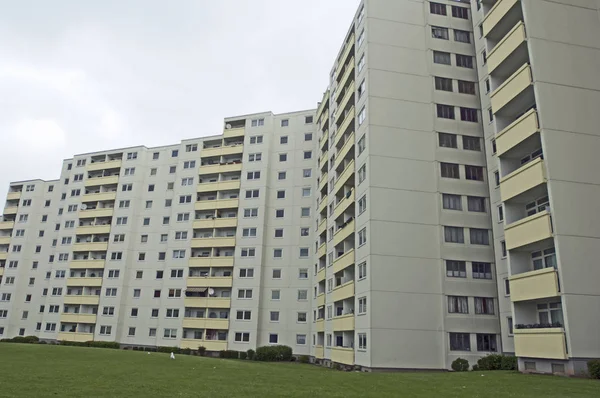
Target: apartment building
(203,243)
(538,65)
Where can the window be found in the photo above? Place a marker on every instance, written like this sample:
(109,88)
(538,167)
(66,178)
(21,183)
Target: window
(126,187)
(285,122)
(253,175)
(497,178)
(185,199)
(488,87)
(474,173)
(257,122)
(440,57)
(362,88)
(277,253)
(479,236)
(550,314)
(176,273)
(445,111)
(484,305)
(362,144)
(191,147)
(105,330)
(486,342)
(362,173)
(443,84)
(361,64)
(249,232)
(305,192)
(307,155)
(465,87)
(108,311)
(242,337)
(464,61)
(460,12)
(275,294)
(116,255)
(460,342)
(436,8)
(439,32)
(503,248)
(544,259)
(305,212)
(172,313)
(362,116)
(178,253)
(462,36)
(248,252)
(181,235)
(252,193)
(537,206)
(454,235)
(243,315)
(113,273)
(274,316)
(170,334)
(447,140)
(482,270)
(458,305)
(254,157)
(166,220)
(250,212)
(304,231)
(283,157)
(174,153)
(476,204)
(281,194)
(303,252)
(468,115)
(362,236)
(174,293)
(244,293)
(500,213)
(362,305)
(449,170)
(302,295)
(183,217)
(451,202)
(362,341)
(361,38)
(362,204)
(111,292)
(456,269)
(471,143)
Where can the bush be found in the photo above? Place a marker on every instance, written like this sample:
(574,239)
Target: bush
(22,340)
(186,351)
(251,353)
(201,350)
(274,353)
(168,350)
(594,368)
(490,362)
(243,355)
(475,368)
(42,342)
(508,362)
(229,354)
(304,359)
(460,365)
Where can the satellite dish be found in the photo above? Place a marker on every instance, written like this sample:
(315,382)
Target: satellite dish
(83,206)
(227,126)
(211,291)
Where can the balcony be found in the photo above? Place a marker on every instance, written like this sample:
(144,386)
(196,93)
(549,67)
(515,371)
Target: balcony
(220,168)
(538,284)
(231,133)
(321,275)
(1,271)
(348,71)
(514,43)
(90,247)
(86,282)
(79,337)
(100,196)
(206,323)
(82,300)
(89,182)
(323,105)
(349,144)
(86,264)
(77,318)
(319,352)
(343,355)
(321,297)
(3,255)
(322,226)
(343,204)
(343,291)
(322,250)
(222,151)
(212,281)
(230,222)
(343,178)
(349,118)
(348,93)
(217,204)
(218,186)
(323,181)
(322,206)
(100,212)
(214,242)
(344,322)
(343,233)
(13,195)
(324,140)
(210,345)
(529,230)
(111,164)
(501,17)
(512,89)
(320,325)
(523,179)
(92,229)
(211,261)
(10,210)
(541,343)
(323,160)
(6,225)
(4,240)
(343,261)
(517,132)
(342,60)
(208,302)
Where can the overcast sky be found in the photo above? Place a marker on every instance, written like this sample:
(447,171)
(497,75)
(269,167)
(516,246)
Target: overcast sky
(80,76)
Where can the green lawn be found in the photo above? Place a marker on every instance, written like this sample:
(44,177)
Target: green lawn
(44,370)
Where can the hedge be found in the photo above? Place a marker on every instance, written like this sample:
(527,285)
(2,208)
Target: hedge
(274,353)
(497,362)
(594,368)
(460,365)
(22,340)
(229,354)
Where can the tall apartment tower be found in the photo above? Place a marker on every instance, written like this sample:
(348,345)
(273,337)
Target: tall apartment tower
(405,273)
(538,65)
(203,243)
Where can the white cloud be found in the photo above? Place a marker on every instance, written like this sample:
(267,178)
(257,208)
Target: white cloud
(39,135)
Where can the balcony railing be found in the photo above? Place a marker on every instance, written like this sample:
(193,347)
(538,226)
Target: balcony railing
(528,230)
(547,343)
(533,285)
(526,177)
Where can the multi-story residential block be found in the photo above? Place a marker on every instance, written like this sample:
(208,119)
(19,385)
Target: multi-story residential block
(434,206)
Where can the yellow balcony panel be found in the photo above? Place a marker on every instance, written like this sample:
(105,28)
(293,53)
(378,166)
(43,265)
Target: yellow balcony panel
(322,250)
(222,151)
(112,164)
(90,182)
(341,207)
(320,325)
(3,255)
(100,196)
(516,132)
(206,323)
(13,195)
(323,160)
(78,337)
(321,297)
(348,47)
(213,242)
(324,139)
(344,322)
(86,282)
(220,168)
(10,210)
(322,205)
(86,264)
(231,133)
(511,88)
(93,229)
(349,144)
(323,181)
(322,226)
(506,46)
(343,178)
(4,240)
(218,186)
(213,281)
(528,230)
(215,222)
(523,179)
(343,233)
(83,300)
(343,291)
(207,302)
(321,277)
(342,355)
(100,212)
(319,352)
(343,261)
(348,71)
(1,271)
(77,318)
(6,225)
(339,113)
(496,14)
(217,204)
(90,247)
(540,343)
(211,262)
(210,345)
(323,105)
(538,284)
(347,121)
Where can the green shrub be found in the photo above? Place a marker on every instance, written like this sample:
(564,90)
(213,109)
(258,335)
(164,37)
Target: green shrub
(186,351)
(594,368)
(22,340)
(304,359)
(490,362)
(168,350)
(243,355)
(274,353)
(229,354)
(251,353)
(201,350)
(42,342)
(460,365)
(475,368)
(508,362)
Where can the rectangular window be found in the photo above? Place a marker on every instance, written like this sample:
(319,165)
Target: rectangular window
(462,36)
(486,343)
(468,115)
(460,12)
(362,173)
(362,305)
(362,270)
(479,236)
(456,269)
(362,204)
(445,111)
(443,84)
(450,170)
(451,202)
(447,140)
(454,235)
(476,204)
(460,342)
(464,61)
(482,270)
(440,57)
(438,32)
(458,305)
(437,8)
(471,143)
(465,87)
(362,341)
(362,236)
(474,173)
(500,213)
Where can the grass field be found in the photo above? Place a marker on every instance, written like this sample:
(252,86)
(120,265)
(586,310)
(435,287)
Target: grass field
(44,371)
